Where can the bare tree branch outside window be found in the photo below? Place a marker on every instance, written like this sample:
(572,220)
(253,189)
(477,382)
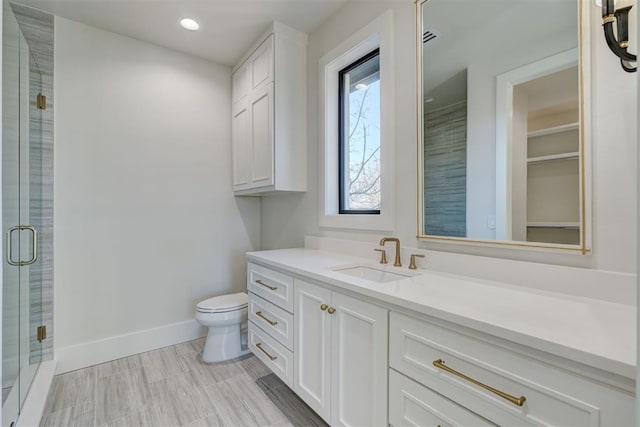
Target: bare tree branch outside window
(364,148)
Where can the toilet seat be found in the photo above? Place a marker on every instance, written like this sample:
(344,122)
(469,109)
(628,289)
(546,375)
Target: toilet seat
(223,303)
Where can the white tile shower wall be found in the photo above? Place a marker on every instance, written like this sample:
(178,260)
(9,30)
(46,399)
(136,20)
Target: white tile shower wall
(287,219)
(146,223)
(445,177)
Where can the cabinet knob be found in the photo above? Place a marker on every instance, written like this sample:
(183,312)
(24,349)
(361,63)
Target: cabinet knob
(331,310)
(323,307)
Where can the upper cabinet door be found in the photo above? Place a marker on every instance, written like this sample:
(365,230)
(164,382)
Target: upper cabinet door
(241,145)
(262,137)
(261,63)
(241,84)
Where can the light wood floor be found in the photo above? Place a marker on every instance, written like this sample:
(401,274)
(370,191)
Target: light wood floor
(173,387)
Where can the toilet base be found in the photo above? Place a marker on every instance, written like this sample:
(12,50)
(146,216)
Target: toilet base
(223,343)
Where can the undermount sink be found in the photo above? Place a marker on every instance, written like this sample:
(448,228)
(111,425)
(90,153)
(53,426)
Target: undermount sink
(373,274)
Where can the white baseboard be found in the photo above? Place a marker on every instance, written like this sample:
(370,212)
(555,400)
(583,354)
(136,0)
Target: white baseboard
(95,352)
(34,403)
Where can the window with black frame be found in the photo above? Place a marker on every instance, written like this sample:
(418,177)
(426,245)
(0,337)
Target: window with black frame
(359,136)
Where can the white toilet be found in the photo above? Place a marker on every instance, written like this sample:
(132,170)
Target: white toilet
(223,315)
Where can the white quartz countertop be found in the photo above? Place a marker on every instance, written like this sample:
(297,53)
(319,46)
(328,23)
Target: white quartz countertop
(596,333)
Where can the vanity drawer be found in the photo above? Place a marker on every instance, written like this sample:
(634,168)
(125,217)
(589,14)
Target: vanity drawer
(271,285)
(463,368)
(272,319)
(411,404)
(272,353)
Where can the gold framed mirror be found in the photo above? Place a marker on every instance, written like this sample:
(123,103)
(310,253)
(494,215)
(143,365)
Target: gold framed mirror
(503,137)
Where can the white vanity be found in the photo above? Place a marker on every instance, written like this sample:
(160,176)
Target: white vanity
(437,349)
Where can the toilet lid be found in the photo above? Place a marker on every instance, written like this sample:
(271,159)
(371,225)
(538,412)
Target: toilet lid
(224,303)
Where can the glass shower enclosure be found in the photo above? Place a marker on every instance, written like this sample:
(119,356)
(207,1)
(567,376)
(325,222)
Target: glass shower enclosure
(22,208)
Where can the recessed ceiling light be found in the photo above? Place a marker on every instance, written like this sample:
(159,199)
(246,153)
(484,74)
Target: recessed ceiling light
(429,99)
(189,24)
(362,86)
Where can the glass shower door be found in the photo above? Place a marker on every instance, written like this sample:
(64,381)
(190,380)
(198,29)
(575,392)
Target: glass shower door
(10,215)
(21,218)
(30,219)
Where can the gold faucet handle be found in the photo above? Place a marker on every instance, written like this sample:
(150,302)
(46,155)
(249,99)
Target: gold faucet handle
(412,263)
(383,255)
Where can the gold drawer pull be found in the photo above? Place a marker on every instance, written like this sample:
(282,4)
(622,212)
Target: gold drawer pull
(331,310)
(259,345)
(260,282)
(271,322)
(515,400)
(323,307)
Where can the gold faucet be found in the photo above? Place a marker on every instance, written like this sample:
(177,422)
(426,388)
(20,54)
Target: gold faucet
(412,264)
(384,240)
(383,257)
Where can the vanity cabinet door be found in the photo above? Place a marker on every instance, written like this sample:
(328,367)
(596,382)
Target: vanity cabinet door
(340,356)
(312,344)
(359,363)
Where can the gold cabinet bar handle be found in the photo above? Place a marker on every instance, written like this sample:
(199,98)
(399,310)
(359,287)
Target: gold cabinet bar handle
(271,322)
(323,307)
(519,401)
(331,310)
(259,345)
(260,282)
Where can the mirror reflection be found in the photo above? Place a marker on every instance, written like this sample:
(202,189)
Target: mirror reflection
(501,138)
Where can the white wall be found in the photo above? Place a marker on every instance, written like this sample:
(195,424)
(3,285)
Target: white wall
(637,238)
(481,105)
(145,221)
(286,219)
(2,223)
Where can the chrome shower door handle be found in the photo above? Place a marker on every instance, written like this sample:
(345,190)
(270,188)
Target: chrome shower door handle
(34,246)
(10,260)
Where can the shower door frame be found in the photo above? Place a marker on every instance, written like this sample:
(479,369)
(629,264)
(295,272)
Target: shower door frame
(35,159)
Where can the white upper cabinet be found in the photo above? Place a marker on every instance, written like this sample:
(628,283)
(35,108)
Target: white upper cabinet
(269,129)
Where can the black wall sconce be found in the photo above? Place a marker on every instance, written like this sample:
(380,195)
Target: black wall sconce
(618,46)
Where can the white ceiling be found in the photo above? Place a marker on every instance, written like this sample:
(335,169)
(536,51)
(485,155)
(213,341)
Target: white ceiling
(227,27)
(505,33)
(559,88)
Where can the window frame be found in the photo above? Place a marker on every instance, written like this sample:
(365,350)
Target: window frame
(379,33)
(341,136)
